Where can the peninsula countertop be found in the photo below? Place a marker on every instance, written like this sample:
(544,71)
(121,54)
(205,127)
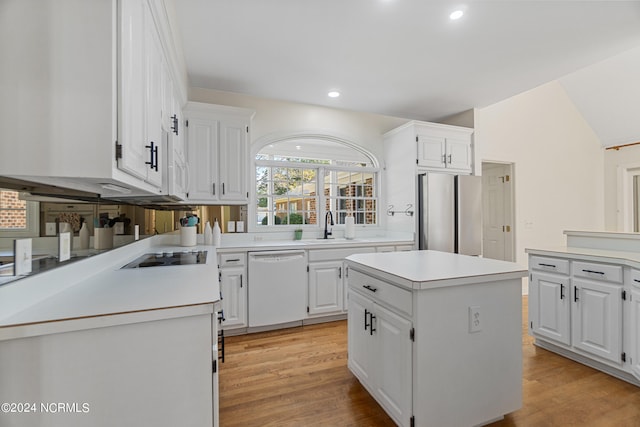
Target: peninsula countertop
(98,287)
(433,269)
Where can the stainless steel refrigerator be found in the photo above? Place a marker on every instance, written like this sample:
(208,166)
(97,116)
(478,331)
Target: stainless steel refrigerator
(450,213)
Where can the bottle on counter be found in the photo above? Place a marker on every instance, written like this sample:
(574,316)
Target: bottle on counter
(84,236)
(217,234)
(208,234)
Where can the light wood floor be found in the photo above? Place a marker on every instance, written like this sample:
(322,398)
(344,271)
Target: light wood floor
(299,377)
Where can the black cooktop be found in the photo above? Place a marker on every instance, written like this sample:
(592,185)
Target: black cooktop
(160,259)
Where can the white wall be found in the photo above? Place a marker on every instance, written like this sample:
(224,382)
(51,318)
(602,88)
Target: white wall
(559,166)
(614,161)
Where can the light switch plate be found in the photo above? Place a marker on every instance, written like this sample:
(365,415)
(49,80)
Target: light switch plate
(136,232)
(22,256)
(64,246)
(50,229)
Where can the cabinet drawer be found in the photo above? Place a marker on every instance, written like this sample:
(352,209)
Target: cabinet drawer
(232,259)
(555,265)
(383,292)
(336,254)
(635,277)
(590,270)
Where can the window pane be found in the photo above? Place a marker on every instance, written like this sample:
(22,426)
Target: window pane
(13,211)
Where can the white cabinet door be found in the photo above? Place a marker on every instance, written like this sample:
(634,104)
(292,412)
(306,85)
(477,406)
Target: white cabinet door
(431,151)
(325,287)
(202,152)
(597,319)
(444,152)
(360,344)
(393,366)
(234,296)
(132,89)
(549,308)
(233,160)
(458,154)
(153,100)
(635,331)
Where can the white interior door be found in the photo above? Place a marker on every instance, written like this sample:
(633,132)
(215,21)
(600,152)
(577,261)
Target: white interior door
(497,206)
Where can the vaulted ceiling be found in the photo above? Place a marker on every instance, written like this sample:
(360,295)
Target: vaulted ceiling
(407,58)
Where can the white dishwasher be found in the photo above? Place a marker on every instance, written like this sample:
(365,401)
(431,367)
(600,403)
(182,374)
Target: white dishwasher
(277,287)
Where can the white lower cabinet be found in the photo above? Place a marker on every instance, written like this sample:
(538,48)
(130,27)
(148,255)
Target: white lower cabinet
(233,289)
(115,371)
(327,290)
(634,329)
(549,313)
(580,308)
(380,354)
(325,287)
(597,319)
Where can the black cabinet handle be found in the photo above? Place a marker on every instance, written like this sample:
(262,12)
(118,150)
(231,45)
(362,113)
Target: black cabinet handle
(366,314)
(223,188)
(575,294)
(593,271)
(370,288)
(371,319)
(547,265)
(561,291)
(339,272)
(636,280)
(241,280)
(214,188)
(153,156)
(174,128)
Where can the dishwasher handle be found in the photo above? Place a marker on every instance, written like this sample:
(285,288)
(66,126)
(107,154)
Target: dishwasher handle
(276,256)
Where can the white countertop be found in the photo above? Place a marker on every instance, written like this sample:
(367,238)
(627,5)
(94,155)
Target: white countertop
(97,286)
(632,259)
(432,269)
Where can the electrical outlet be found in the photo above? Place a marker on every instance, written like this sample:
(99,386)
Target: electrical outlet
(475,319)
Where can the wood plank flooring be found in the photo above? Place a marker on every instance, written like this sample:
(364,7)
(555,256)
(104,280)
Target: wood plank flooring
(299,377)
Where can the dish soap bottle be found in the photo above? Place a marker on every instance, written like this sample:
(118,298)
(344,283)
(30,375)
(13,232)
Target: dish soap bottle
(217,234)
(84,236)
(208,234)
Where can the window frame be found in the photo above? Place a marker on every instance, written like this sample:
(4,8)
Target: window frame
(32,228)
(374,170)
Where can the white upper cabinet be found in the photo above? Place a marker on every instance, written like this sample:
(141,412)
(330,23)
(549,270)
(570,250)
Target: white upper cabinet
(217,147)
(437,150)
(84,107)
(140,125)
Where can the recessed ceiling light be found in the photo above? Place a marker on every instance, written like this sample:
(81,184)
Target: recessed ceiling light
(333,94)
(456,15)
(298,147)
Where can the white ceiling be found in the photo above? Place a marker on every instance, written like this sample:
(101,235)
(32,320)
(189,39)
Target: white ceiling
(401,58)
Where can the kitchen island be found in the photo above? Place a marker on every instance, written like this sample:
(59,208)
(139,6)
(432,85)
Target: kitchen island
(436,338)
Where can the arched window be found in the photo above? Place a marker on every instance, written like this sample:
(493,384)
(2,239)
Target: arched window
(300,178)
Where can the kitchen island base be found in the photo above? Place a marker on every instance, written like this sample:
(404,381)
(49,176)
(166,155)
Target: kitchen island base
(437,349)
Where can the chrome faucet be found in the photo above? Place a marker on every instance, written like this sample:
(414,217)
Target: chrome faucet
(327,217)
